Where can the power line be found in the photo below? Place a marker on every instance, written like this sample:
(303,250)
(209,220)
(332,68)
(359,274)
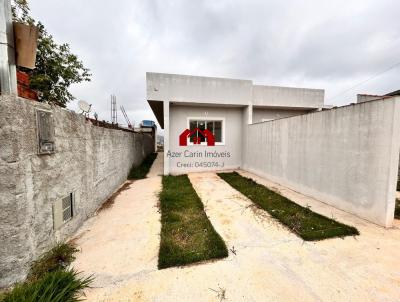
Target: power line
(363,82)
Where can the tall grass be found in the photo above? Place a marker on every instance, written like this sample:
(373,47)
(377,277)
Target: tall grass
(50,279)
(56,286)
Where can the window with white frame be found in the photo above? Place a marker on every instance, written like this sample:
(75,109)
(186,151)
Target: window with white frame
(215,126)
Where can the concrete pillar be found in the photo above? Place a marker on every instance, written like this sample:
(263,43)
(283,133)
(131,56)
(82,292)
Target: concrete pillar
(166,136)
(247,119)
(249,114)
(8,72)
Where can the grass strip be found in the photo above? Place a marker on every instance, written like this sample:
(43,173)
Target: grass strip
(302,221)
(141,171)
(187,236)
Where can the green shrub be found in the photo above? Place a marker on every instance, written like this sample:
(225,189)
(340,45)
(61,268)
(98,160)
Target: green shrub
(59,257)
(50,280)
(56,286)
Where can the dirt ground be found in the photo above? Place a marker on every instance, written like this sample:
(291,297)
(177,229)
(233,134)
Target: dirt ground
(266,262)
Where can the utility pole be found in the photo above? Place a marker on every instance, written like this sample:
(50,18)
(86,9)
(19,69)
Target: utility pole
(8,72)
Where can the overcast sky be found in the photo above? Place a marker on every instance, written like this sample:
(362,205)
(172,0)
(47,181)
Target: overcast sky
(317,44)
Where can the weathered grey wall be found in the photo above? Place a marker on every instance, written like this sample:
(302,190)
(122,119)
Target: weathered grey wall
(90,161)
(347,157)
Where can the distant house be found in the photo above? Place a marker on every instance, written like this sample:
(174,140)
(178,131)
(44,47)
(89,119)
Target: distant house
(222,106)
(361,98)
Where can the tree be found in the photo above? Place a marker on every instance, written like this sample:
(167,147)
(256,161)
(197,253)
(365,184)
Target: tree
(56,67)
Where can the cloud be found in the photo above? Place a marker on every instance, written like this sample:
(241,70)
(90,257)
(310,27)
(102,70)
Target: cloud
(321,44)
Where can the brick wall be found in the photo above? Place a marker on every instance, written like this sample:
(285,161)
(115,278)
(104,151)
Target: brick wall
(23,87)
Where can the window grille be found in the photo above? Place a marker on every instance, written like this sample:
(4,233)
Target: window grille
(214,126)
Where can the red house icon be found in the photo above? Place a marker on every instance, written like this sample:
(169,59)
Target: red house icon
(207,134)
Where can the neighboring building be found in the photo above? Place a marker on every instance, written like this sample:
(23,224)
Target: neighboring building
(224,107)
(147,126)
(361,98)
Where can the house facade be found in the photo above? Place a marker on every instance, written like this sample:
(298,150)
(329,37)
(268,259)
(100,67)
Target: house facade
(206,109)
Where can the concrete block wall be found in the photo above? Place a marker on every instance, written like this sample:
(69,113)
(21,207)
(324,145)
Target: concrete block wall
(90,161)
(347,157)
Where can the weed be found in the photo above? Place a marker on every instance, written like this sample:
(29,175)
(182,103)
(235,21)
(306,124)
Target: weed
(221,293)
(59,257)
(110,201)
(142,170)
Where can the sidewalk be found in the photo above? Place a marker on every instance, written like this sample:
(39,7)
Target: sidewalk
(122,242)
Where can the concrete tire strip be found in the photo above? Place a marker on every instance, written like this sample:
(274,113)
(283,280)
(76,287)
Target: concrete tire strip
(266,261)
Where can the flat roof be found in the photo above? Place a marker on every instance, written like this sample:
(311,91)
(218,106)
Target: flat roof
(214,91)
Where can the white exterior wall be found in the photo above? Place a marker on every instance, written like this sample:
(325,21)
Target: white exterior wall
(222,91)
(347,157)
(166,107)
(287,97)
(192,96)
(183,88)
(178,122)
(272,114)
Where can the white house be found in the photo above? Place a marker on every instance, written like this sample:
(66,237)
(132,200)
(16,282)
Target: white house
(222,106)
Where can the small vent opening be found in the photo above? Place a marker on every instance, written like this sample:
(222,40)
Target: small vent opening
(67,207)
(63,210)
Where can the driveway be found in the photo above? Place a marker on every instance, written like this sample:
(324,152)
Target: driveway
(266,262)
